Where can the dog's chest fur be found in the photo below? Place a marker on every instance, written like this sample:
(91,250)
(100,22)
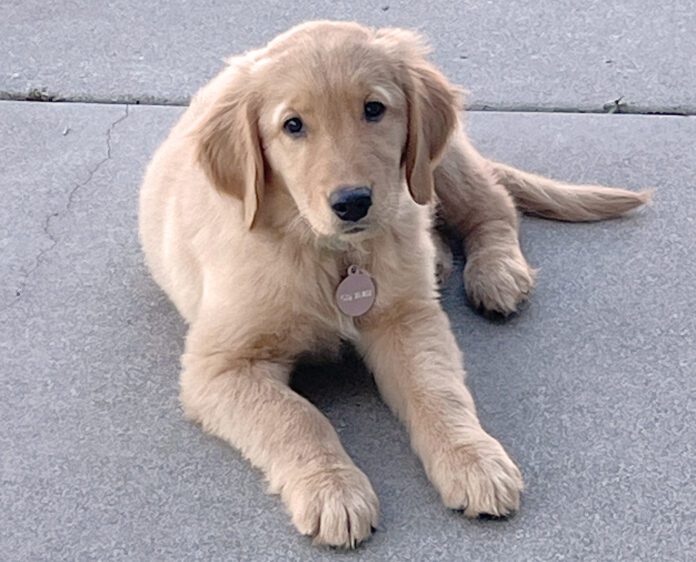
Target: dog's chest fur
(401,264)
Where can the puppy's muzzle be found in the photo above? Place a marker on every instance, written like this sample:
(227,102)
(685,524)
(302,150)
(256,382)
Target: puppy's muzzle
(351,203)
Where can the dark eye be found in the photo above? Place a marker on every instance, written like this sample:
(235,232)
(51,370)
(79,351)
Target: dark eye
(374,111)
(293,126)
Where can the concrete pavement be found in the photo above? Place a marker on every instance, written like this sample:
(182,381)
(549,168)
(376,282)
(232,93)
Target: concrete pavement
(519,54)
(591,388)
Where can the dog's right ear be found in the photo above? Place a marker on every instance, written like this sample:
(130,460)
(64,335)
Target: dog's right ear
(229,148)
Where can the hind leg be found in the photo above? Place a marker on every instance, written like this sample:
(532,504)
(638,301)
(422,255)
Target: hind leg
(497,277)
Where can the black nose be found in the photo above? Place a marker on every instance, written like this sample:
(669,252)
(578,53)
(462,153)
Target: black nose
(351,203)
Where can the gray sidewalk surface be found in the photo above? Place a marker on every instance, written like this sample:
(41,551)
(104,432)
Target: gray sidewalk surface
(517,54)
(592,387)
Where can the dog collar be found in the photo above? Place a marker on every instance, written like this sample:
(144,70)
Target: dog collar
(356,294)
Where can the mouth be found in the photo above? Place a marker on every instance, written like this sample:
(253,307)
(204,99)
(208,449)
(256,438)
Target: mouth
(355,229)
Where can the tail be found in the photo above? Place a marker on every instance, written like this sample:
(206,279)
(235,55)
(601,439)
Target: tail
(552,199)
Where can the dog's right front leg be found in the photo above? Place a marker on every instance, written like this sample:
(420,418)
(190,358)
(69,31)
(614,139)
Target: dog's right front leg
(248,403)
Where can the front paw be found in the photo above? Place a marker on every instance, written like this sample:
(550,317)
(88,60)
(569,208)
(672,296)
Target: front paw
(478,477)
(498,282)
(337,506)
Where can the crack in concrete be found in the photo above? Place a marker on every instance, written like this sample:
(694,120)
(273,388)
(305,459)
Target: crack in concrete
(46,227)
(94,170)
(615,106)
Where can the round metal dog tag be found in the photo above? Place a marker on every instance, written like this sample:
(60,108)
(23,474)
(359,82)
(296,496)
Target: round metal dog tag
(356,294)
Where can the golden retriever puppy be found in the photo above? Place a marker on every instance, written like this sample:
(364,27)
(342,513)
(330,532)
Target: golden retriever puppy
(316,159)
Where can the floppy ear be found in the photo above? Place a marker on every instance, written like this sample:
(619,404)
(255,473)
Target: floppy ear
(229,150)
(432,108)
(432,117)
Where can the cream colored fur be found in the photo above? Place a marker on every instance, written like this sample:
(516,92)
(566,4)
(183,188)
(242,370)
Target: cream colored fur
(236,228)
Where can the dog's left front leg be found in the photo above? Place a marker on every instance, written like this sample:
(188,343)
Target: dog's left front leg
(418,368)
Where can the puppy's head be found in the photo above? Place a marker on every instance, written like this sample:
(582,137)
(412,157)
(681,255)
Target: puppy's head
(348,120)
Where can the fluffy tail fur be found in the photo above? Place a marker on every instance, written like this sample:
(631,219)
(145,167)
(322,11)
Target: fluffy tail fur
(552,199)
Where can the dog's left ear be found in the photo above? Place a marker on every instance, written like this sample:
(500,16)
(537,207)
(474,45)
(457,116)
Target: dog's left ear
(433,104)
(432,118)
